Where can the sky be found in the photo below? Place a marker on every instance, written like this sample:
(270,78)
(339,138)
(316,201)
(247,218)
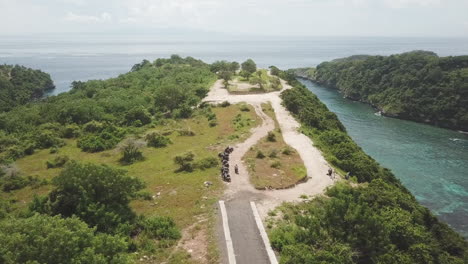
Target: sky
(420,18)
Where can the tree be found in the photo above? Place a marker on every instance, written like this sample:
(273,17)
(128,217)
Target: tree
(274,70)
(234,66)
(47,239)
(226,76)
(98,194)
(139,66)
(138,113)
(219,66)
(249,66)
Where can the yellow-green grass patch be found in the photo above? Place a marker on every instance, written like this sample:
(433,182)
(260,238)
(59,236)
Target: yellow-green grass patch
(273,164)
(180,195)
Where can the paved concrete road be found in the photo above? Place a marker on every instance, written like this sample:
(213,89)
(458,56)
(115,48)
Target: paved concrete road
(248,246)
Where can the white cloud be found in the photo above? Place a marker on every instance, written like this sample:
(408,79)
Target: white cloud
(74,2)
(104,17)
(171,12)
(407,3)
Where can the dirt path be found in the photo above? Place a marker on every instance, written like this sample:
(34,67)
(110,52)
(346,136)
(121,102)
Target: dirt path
(246,239)
(313,160)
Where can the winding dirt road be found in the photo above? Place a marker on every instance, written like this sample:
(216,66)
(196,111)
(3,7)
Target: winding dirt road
(247,244)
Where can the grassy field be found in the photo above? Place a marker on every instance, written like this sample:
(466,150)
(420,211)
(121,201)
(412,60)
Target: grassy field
(181,196)
(240,85)
(271,162)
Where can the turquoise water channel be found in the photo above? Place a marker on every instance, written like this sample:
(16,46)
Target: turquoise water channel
(431,162)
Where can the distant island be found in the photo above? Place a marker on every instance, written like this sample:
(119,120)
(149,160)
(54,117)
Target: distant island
(417,85)
(20,85)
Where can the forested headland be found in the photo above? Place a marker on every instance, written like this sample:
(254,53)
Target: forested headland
(372,218)
(418,85)
(19,85)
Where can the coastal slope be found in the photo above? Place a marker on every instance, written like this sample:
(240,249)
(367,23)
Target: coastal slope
(418,85)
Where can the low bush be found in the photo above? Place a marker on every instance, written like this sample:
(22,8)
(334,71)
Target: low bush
(138,113)
(271,137)
(273,154)
(244,108)
(225,104)
(157,140)
(275,164)
(186,133)
(71,131)
(131,154)
(158,227)
(185,162)
(58,162)
(93,127)
(48,138)
(207,163)
(213,123)
(260,155)
(13,182)
(287,151)
(106,139)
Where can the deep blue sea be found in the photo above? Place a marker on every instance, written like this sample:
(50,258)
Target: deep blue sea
(431,162)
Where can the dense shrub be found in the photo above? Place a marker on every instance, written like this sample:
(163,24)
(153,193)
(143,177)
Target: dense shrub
(206,163)
(46,239)
(107,138)
(371,224)
(131,154)
(48,138)
(138,113)
(13,182)
(71,131)
(93,127)
(158,227)
(157,140)
(98,194)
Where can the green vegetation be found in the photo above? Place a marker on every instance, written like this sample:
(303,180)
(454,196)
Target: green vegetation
(20,85)
(257,82)
(46,239)
(157,140)
(105,111)
(378,221)
(98,194)
(179,196)
(417,85)
(248,68)
(131,153)
(51,177)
